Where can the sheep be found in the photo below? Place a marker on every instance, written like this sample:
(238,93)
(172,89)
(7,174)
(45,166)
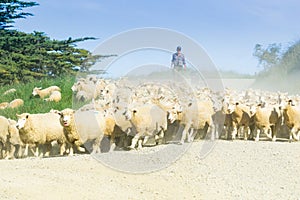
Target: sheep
(83,126)
(54,96)
(265,120)
(88,87)
(14,139)
(291,118)
(222,122)
(13,90)
(41,129)
(147,120)
(16,103)
(4,135)
(193,116)
(43,93)
(3,105)
(83,96)
(240,115)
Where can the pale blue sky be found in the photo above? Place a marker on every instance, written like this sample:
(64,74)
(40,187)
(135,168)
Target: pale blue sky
(227,29)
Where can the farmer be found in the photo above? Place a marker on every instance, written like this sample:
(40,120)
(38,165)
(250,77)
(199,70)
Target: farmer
(178,60)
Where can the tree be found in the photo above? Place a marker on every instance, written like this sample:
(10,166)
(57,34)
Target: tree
(28,56)
(268,57)
(11,10)
(25,57)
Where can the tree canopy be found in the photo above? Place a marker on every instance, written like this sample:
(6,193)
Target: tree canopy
(11,10)
(28,56)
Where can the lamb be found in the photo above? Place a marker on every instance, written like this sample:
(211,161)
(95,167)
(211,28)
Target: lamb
(45,92)
(83,126)
(16,103)
(266,120)
(41,129)
(147,120)
(54,96)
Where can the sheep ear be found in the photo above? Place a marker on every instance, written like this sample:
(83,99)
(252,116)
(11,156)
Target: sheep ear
(18,115)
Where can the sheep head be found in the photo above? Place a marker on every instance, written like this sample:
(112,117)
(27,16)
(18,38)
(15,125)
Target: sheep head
(66,117)
(22,120)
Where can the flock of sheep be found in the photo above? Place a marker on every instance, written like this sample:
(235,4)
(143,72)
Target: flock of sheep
(130,115)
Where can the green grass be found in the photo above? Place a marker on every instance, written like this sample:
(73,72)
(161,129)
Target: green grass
(35,104)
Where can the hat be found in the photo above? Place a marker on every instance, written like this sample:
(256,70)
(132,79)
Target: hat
(178,48)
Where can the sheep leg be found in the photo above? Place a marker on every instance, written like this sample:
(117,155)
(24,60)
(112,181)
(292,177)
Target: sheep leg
(293,134)
(215,131)
(233,133)
(11,152)
(26,150)
(298,136)
(146,138)
(274,132)
(78,144)
(257,131)
(190,135)
(47,149)
(268,132)
(62,148)
(160,138)
(135,140)
(184,134)
(96,145)
(36,153)
(1,152)
(246,132)
(140,142)
(112,143)
(212,131)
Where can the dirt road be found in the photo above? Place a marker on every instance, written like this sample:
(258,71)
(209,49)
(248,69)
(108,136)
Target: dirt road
(232,170)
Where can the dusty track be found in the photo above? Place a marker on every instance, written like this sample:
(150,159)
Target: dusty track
(233,170)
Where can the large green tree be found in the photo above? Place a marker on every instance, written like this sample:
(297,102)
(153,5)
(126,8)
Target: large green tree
(29,56)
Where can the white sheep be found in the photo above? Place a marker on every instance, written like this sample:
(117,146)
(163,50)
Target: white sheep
(44,92)
(3,105)
(15,142)
(147,120)
(16,103)
(54,96)
(41,129)
(13,90)
(4,125)
(83,126)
